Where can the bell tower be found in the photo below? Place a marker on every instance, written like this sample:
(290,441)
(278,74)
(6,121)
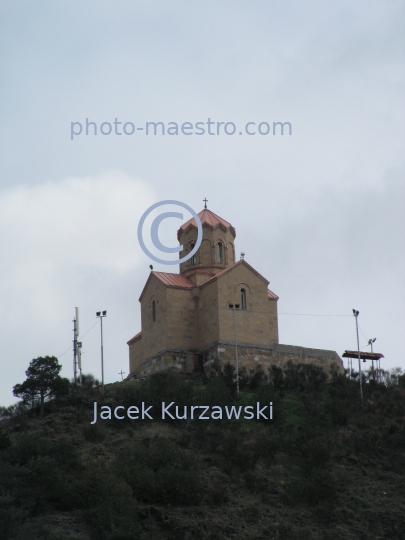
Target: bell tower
(217,249)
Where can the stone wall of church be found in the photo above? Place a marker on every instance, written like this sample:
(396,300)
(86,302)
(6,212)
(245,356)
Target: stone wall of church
(250,356)
(257,322)
(154,329)
(177,360)
(182,331)
(207,254)
(135,354)
(208,315)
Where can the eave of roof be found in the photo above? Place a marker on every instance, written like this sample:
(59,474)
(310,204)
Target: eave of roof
(137,337)
(174,281)
(201,272)
(364,355)
(271,295)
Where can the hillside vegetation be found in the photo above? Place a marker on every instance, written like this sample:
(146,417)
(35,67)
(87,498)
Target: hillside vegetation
(325,467)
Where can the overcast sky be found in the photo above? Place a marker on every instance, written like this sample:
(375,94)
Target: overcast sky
(320,212)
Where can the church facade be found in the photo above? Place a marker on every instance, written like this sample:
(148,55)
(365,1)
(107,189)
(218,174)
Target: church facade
(191,320)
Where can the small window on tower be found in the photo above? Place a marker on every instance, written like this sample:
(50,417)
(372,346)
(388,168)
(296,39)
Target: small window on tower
(153,311)
(243,298)
(220,255)
(193,258)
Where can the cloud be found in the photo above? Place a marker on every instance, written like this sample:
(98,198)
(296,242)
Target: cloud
(346,252)
(59,240)
(75,222)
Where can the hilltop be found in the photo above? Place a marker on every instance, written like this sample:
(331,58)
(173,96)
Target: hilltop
(325,467)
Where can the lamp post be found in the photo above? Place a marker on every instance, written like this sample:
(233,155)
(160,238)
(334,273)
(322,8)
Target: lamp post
(234,307)
(370,342)
(100,315)
(356,314)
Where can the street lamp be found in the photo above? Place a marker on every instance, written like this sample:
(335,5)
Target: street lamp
(370,342)
(100,315)
(234,307)
(356,314)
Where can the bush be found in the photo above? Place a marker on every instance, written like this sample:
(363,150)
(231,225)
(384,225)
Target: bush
(163,386)
(159,472)
(316,452)
(94,434)
(257,377)
(10,517)
(111,509)
(27,448)
(216,392)
(317,487)
(5,441)
(276,376)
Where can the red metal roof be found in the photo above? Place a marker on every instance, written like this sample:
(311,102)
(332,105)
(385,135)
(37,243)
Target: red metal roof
(174,280)
(135,338)
(208,218)
(271,295)
(177,281)
(364,355)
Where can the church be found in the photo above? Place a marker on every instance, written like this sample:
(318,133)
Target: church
(215,308)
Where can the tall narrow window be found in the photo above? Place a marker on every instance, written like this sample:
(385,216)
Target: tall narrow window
(153,311)
(193,258)
(220,254)
(243,298)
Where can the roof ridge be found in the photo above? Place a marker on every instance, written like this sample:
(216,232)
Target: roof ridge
(208,217)
(214,214)
(228,268)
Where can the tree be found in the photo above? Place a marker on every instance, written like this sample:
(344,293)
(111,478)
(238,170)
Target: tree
(87,381)
(43,381)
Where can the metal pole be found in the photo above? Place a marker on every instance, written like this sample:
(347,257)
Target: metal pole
(236,352)
(370,342)
(102,355)
(372,360)
(74,351)
(356,314)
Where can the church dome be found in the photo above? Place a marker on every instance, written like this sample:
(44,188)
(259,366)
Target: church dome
(210,220)
(217,249)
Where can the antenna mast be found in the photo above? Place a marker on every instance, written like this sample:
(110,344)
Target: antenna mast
(76,347)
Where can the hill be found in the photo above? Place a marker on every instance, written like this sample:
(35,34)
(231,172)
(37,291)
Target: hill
(324,467)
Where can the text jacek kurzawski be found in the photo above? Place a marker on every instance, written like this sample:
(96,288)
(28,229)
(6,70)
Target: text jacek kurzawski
(193,412)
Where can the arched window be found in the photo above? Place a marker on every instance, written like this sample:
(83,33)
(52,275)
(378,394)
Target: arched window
(153,311)
(243,299)
(219,252)
(193,258)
